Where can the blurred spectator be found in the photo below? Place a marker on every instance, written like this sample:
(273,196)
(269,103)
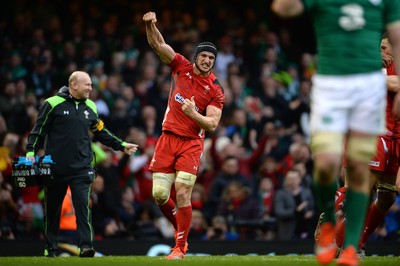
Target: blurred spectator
(127,211)
(229,106)
(8,100)
(133,103)
(238,128)
(238,205)
(159,99)
(266,227)
(298,153)
(206,171)
(98,75)
(118,120)
(392,221)
(102,107)
(266,194)
(199,197)
(228,173)
(270,96)
(112,90)
(8,212)
(269,169)
(308,66)
(139,167)
(148,121)
(89,56)
(112,170)
(219,230)
(8,150)
(150,223)
(105,221)
(247,160)
(237,85)
(198,227)
(3,125)
(306,177)
(14,69)
(129,70)
(5,163)
(21,116)
(40,79)
(225,57)
(294,208)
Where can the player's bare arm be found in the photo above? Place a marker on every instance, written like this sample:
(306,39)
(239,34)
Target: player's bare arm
(287,8)
(209,122)
(393,83)
(156,40)
(393,30)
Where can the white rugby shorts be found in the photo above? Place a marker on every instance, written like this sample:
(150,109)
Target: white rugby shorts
(352,102)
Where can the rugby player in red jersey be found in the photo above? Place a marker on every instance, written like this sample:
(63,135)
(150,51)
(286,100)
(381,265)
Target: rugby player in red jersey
(195,105)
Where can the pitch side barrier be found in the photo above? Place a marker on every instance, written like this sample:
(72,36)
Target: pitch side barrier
(196,248)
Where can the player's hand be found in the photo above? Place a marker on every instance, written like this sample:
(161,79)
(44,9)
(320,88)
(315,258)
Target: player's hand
(387,60)
(130,148)
(188,106)
(150,17)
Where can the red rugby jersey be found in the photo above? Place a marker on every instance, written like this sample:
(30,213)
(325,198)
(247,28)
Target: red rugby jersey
(185,84)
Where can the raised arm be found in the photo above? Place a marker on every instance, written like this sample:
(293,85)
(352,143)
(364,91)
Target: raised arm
(287,8)
(156,40)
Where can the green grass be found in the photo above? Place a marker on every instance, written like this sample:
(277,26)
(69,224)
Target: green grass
(188,261)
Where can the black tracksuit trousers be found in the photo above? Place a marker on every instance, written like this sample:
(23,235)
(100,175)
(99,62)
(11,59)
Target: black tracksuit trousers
(54,195)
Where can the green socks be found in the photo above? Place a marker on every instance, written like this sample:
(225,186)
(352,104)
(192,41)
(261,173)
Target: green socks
(326,200)
(355,208)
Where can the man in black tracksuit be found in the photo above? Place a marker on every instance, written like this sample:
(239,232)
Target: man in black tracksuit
(62,127)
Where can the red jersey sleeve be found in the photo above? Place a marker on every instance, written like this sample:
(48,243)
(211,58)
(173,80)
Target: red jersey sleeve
(390,70)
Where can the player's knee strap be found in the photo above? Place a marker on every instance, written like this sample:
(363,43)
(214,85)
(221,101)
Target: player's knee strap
(385,187)
(361,148)
(327,142)
(162,186)
(186,178)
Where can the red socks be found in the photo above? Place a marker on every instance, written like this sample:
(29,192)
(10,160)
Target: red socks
(184,219)
(373,220)
(169,211)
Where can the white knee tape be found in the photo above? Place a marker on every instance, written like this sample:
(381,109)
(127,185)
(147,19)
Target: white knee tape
(186,178)
(162,187)
(361,148)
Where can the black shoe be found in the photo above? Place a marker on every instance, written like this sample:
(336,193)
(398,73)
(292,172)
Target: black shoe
(87,253)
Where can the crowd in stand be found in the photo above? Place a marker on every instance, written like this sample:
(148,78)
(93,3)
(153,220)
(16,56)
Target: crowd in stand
(256,171)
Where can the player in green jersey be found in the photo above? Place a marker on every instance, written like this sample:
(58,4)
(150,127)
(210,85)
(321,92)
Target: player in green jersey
(348,104)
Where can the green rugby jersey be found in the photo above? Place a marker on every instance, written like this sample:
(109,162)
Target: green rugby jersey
(349,32)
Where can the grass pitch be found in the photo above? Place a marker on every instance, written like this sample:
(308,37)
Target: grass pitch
(188,261)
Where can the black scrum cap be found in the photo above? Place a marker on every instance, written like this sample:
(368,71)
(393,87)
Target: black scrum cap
(205,46)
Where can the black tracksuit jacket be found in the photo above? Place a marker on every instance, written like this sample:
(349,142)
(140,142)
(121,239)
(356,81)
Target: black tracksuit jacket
(62,127)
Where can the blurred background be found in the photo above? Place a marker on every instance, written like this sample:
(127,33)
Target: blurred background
(265,66)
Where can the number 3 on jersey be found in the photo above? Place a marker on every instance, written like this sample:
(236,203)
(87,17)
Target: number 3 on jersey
(352,18)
